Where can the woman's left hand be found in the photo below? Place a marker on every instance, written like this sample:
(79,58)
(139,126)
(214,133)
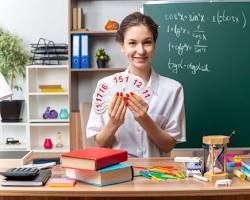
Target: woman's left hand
(138,107)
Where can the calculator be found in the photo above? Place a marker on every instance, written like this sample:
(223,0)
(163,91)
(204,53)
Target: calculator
(20,173)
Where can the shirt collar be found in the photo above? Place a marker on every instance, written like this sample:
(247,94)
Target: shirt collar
(153,82)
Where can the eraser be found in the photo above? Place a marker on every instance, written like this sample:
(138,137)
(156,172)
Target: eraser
(187,159)
(223,182)
(202,178)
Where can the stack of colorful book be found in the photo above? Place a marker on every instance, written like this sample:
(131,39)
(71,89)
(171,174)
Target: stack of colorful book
(97,166)
(51,88)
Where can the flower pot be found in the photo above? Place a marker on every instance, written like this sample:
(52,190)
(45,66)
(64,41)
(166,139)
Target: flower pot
(101,63)
(12,111)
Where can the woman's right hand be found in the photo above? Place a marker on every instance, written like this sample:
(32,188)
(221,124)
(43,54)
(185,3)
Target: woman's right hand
(117,110)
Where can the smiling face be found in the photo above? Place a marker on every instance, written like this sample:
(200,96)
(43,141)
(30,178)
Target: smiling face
(138,45)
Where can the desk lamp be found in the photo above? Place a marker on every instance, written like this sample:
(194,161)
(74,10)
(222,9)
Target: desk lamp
(216,159)
(5,91)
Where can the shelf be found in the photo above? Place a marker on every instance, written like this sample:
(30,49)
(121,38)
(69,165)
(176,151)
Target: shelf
(47,66)
(110,69)
(48,93)
(49,124)
(53,150)
(96,33)
(48,121)
(13,146)
(13,123)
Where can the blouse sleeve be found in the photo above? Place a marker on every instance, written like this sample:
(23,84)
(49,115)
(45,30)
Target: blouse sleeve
(176,125)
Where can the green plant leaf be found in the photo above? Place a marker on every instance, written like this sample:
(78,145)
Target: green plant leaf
(13,58)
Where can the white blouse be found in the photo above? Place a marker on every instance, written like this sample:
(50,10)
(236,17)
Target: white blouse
(166,108)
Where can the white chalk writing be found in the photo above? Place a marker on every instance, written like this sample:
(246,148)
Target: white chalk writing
(194,68)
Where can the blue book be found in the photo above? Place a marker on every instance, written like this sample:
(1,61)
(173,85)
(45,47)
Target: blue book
(114,174)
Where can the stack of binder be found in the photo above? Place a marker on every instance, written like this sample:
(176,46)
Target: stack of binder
(80,51)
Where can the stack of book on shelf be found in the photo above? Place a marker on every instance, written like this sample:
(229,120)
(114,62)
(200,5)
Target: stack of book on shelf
(97,166)
(77,19)
(51,88)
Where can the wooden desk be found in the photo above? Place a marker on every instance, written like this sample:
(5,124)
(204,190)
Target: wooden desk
(140,188)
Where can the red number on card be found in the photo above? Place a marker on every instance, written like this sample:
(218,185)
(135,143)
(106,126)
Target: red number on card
(137,83)
(98,105)
(118,79)
(98,95)
(98,99)
(104,86)
(146,93)
(126,78)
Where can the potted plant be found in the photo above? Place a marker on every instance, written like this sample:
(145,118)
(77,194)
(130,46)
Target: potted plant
(102,58)
(13,58)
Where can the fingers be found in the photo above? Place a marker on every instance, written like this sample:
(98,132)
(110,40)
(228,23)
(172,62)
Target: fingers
(122,116)
(136,101)
(118,102)
(113,101)
(137,106)
(121,110)
(117,106)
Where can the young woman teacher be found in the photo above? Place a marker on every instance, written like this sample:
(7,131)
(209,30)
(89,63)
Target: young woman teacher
(144,129)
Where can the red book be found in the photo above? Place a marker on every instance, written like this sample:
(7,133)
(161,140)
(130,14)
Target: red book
(93,158)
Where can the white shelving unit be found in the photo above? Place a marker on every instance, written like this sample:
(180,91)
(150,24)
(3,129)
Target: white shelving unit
(37,102)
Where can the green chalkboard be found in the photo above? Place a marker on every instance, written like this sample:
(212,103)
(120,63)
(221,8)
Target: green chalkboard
(206,47)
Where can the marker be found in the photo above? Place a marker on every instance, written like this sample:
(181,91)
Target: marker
(245,171)
(145,174)
(202,178)
(239,174)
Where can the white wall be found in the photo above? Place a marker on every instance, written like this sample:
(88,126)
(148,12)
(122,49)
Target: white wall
(32,19)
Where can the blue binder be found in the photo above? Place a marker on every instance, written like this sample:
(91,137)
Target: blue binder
(75,49)
(84,46)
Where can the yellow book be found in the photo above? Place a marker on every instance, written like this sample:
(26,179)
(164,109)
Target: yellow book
(52,90)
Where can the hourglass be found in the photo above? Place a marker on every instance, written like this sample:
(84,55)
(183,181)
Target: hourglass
(216,158)
(59,140)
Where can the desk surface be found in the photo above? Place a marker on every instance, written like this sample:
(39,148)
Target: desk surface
(139,187)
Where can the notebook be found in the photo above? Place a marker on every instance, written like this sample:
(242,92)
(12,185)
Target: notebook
(39,180)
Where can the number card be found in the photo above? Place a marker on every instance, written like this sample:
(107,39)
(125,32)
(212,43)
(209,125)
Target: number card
(120,82)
